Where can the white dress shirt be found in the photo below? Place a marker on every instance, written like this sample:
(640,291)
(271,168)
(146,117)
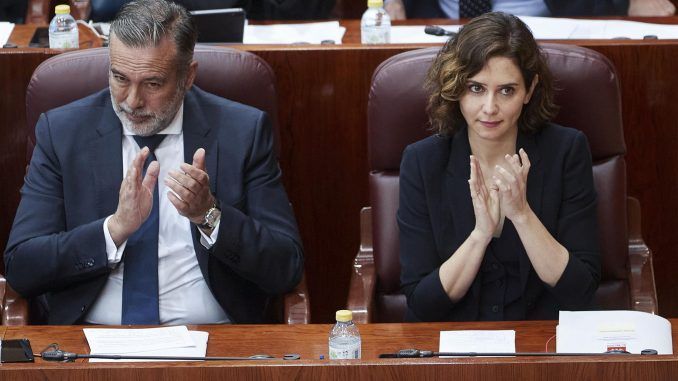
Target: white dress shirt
(184,297)
(514,7)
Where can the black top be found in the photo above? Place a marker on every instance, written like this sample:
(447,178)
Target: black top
(436,216)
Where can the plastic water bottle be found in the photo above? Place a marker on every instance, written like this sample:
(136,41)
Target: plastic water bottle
(63,30)
(344,337)
(375,26)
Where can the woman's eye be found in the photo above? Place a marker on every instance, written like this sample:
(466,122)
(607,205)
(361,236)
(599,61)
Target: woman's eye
(475,88)
(507,91)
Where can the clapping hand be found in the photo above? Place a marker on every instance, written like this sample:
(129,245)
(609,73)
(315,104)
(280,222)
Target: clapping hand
(511,180)
(485,201)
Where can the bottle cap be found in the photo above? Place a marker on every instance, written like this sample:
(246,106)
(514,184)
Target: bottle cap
(344,315)
(62,9)
(375,3)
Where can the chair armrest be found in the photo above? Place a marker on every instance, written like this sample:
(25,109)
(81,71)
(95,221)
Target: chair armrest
(37,12)
(14,307)
(363,277)
(297,307)
(641,270)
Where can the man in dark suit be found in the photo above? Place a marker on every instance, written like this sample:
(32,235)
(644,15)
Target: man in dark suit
(114,225)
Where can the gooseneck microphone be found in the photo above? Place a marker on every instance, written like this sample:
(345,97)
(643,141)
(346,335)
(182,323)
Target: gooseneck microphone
(415,353)
(437,31)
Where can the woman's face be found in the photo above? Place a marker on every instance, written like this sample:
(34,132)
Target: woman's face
(494,99)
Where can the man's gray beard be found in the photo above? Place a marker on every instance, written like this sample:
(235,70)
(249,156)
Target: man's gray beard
(158,121)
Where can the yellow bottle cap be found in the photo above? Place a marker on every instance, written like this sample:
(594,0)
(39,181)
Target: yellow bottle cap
(62,9)
(344,315)
(375,3)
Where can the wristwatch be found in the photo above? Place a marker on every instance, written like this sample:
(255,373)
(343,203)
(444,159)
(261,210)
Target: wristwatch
(211,217)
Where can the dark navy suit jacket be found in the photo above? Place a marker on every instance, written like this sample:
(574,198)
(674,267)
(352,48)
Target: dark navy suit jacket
(57,246)
(558,8)
(436,216)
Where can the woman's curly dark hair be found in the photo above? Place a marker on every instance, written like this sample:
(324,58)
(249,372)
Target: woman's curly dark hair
(494,34)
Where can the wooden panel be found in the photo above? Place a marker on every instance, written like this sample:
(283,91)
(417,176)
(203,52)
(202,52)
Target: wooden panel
(380,338)
(322,104)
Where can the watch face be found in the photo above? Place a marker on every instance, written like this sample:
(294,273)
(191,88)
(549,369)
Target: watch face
(211,217)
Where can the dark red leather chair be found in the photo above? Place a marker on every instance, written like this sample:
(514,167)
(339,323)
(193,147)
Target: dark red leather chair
(588,93)
(230,73)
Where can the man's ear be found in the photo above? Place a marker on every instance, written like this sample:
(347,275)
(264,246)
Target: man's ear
(190,76)
(533,85)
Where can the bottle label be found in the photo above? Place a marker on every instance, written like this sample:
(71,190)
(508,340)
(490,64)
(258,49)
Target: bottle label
(67,40)
(345,351)
(375,35)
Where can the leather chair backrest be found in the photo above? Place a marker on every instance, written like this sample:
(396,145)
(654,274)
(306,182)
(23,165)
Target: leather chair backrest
(234,74)
(589,99)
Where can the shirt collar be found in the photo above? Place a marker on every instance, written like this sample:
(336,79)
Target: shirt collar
(174,127)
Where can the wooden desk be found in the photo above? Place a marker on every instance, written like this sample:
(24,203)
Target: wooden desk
(310,341)
(322,102)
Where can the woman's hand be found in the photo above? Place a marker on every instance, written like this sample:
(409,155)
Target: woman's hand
(511,179)
(485,202)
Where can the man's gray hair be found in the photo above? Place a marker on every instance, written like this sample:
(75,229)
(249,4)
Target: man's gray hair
(144,23)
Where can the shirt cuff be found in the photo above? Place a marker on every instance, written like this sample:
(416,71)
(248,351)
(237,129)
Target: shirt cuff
(208,240)
(113,252)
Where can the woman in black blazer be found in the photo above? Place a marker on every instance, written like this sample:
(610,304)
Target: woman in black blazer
(497,210)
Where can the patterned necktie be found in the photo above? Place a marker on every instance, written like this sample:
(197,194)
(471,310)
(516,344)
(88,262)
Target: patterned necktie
(472,8)
(140,278)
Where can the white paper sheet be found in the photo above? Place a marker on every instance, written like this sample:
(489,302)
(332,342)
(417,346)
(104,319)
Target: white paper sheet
(501,341)
(119,341)
(600,331)
(5,31)
(553,28)
(308,33)
(563,28)
(199,350)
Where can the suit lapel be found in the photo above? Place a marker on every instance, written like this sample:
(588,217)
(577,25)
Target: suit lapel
(455,189)
(105,155)
(198,134)
(535,180)
(457,197)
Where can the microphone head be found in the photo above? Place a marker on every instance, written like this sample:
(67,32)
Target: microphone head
(434,30)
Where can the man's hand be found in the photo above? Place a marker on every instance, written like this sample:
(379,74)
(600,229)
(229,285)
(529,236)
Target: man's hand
(192,196)
(651,8)
(135,199)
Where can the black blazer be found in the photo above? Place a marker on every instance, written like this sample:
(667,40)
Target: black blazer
(558,8)
(57,245)
(436,216)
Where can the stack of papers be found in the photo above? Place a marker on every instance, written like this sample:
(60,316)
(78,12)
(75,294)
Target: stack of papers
(308,33)
(165,341)
(553,28)
(497,341)
(5,31)
(602,331)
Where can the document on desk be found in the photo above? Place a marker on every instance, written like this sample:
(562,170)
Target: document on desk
(5,31)
(554,28)
(502,341)
(306,33)
(164,341)
(602,331)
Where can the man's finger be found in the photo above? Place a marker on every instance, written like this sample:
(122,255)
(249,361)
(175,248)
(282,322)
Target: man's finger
(199,159)
(151,176)
(197,174)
